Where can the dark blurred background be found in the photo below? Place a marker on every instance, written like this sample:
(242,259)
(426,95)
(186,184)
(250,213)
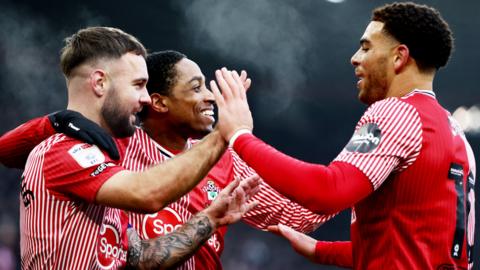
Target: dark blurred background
(297,53)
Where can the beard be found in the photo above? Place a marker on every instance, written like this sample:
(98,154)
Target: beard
(116,117)
(375,85)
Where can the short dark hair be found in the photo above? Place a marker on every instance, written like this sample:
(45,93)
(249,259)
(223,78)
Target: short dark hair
(421,28)
(92,43)
(161,71)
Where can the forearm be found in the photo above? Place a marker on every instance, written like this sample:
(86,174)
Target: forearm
(170,180)
(152,190)
(334,253)
(15,145)
(169,250)
(322,189)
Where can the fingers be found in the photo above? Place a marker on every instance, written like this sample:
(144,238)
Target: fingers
(251,182)
(246,84)
(243,75)
(251,186)
(241,90)
(228,76)
(219,100)
(227,92)
(231,187)
(249,206)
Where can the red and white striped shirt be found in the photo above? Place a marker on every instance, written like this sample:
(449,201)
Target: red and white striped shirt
(387,139)
(418,212)
(59,222)
(422,214)
(273,208)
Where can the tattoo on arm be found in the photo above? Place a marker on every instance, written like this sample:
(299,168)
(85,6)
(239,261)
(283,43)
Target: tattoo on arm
(171,249)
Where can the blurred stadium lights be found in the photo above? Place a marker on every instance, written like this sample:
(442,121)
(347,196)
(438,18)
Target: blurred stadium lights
(469,118)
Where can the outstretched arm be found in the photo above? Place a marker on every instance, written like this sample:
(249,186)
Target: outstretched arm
(169,250)
(322,189)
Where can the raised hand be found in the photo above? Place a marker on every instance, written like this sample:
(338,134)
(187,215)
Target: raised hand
(233,111)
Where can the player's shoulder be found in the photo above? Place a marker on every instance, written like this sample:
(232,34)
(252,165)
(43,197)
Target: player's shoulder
(66,149)
(393,109)
(390,106)
(50,143)
(391,114)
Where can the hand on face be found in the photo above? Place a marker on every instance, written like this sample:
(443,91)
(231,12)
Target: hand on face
(231,204)
(233,111)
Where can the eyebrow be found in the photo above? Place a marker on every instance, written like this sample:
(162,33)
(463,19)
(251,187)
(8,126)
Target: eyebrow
(140,80)
(364,41)
(196,78)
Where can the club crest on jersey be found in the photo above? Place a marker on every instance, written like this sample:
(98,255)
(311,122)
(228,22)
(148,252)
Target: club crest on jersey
(109,248)
(365,139)
(161,223)
(86,155)
(211,189)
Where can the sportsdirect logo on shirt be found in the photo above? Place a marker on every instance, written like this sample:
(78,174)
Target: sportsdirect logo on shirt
(109,248)
(365,139)
(161,223)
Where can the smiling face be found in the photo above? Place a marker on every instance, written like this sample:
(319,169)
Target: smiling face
(126,95)
(190,103)
(373,63)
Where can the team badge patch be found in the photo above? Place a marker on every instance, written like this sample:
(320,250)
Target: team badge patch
(86,155)
(211,189)
(365,139)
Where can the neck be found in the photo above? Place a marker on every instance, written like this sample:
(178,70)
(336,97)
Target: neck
(408,80)
(164,135)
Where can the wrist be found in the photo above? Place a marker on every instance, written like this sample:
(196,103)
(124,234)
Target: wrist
(237,134)
(214,222)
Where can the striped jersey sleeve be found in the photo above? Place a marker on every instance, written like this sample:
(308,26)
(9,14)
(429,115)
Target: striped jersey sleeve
(388,138)
(77,170)
(273,208)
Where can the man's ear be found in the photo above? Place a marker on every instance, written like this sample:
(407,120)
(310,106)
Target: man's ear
(98,82)
(159,102)
(402,55)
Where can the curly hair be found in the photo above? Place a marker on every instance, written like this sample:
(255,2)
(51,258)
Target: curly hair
(421,28)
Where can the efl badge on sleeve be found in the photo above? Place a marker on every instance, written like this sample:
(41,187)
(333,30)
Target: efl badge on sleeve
(211,189)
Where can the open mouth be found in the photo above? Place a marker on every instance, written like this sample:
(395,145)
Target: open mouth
(209,113)
(360,78)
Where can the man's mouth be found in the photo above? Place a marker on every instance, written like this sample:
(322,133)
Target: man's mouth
(360,78)
(208,113)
